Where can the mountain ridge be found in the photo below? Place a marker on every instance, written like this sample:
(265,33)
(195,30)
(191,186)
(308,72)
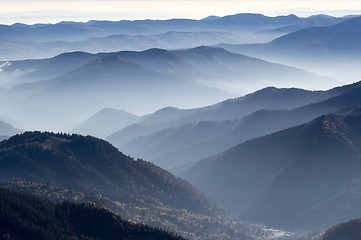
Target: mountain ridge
(45,40)
(90,168)
(299,167)
(202,132)
(326,50)
(183,78)
(23,216)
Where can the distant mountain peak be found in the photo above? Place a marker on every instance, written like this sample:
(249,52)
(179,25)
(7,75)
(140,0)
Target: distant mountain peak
(168,110)
(212,17)
(19,24)
(321,15)
(113,110)
(156,51)
(73,54)
(207,49)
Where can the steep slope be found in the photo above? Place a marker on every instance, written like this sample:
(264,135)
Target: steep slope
(105,122)
(97,166)
(344,36)
(200,134)
(302,177)
(24,216)
(138,189)
(268,98)
(349,111)
(7,129)
(198,225)
(347,231)
(177,147)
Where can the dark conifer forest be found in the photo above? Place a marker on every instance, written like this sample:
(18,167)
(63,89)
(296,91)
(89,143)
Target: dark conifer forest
(24,216)
(198,121)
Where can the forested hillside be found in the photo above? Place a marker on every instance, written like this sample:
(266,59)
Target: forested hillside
(25,217)
(136,189)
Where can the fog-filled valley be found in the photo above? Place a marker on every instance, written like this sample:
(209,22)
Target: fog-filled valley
(238,127)
(78,84)
(21,41)
(333,50)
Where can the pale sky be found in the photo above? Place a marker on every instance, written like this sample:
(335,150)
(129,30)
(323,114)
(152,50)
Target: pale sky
(50,11)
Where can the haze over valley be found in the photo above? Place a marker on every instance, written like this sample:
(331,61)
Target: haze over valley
(243,126)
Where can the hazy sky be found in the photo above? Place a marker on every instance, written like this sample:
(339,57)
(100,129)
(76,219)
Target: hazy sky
(28,11)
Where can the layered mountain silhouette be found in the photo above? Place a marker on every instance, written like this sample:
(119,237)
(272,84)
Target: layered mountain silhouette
(81,166)
(46,40)
(168,40)
(199,133)
(342,37)
(312,21)
(266,99)
(77,30)
(24,216)
(302,177)
(327,50)
(128,80)
(106,122)
(201,62)
(284,156)
(335,40)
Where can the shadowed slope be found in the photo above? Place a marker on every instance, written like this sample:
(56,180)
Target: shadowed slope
(292,178)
